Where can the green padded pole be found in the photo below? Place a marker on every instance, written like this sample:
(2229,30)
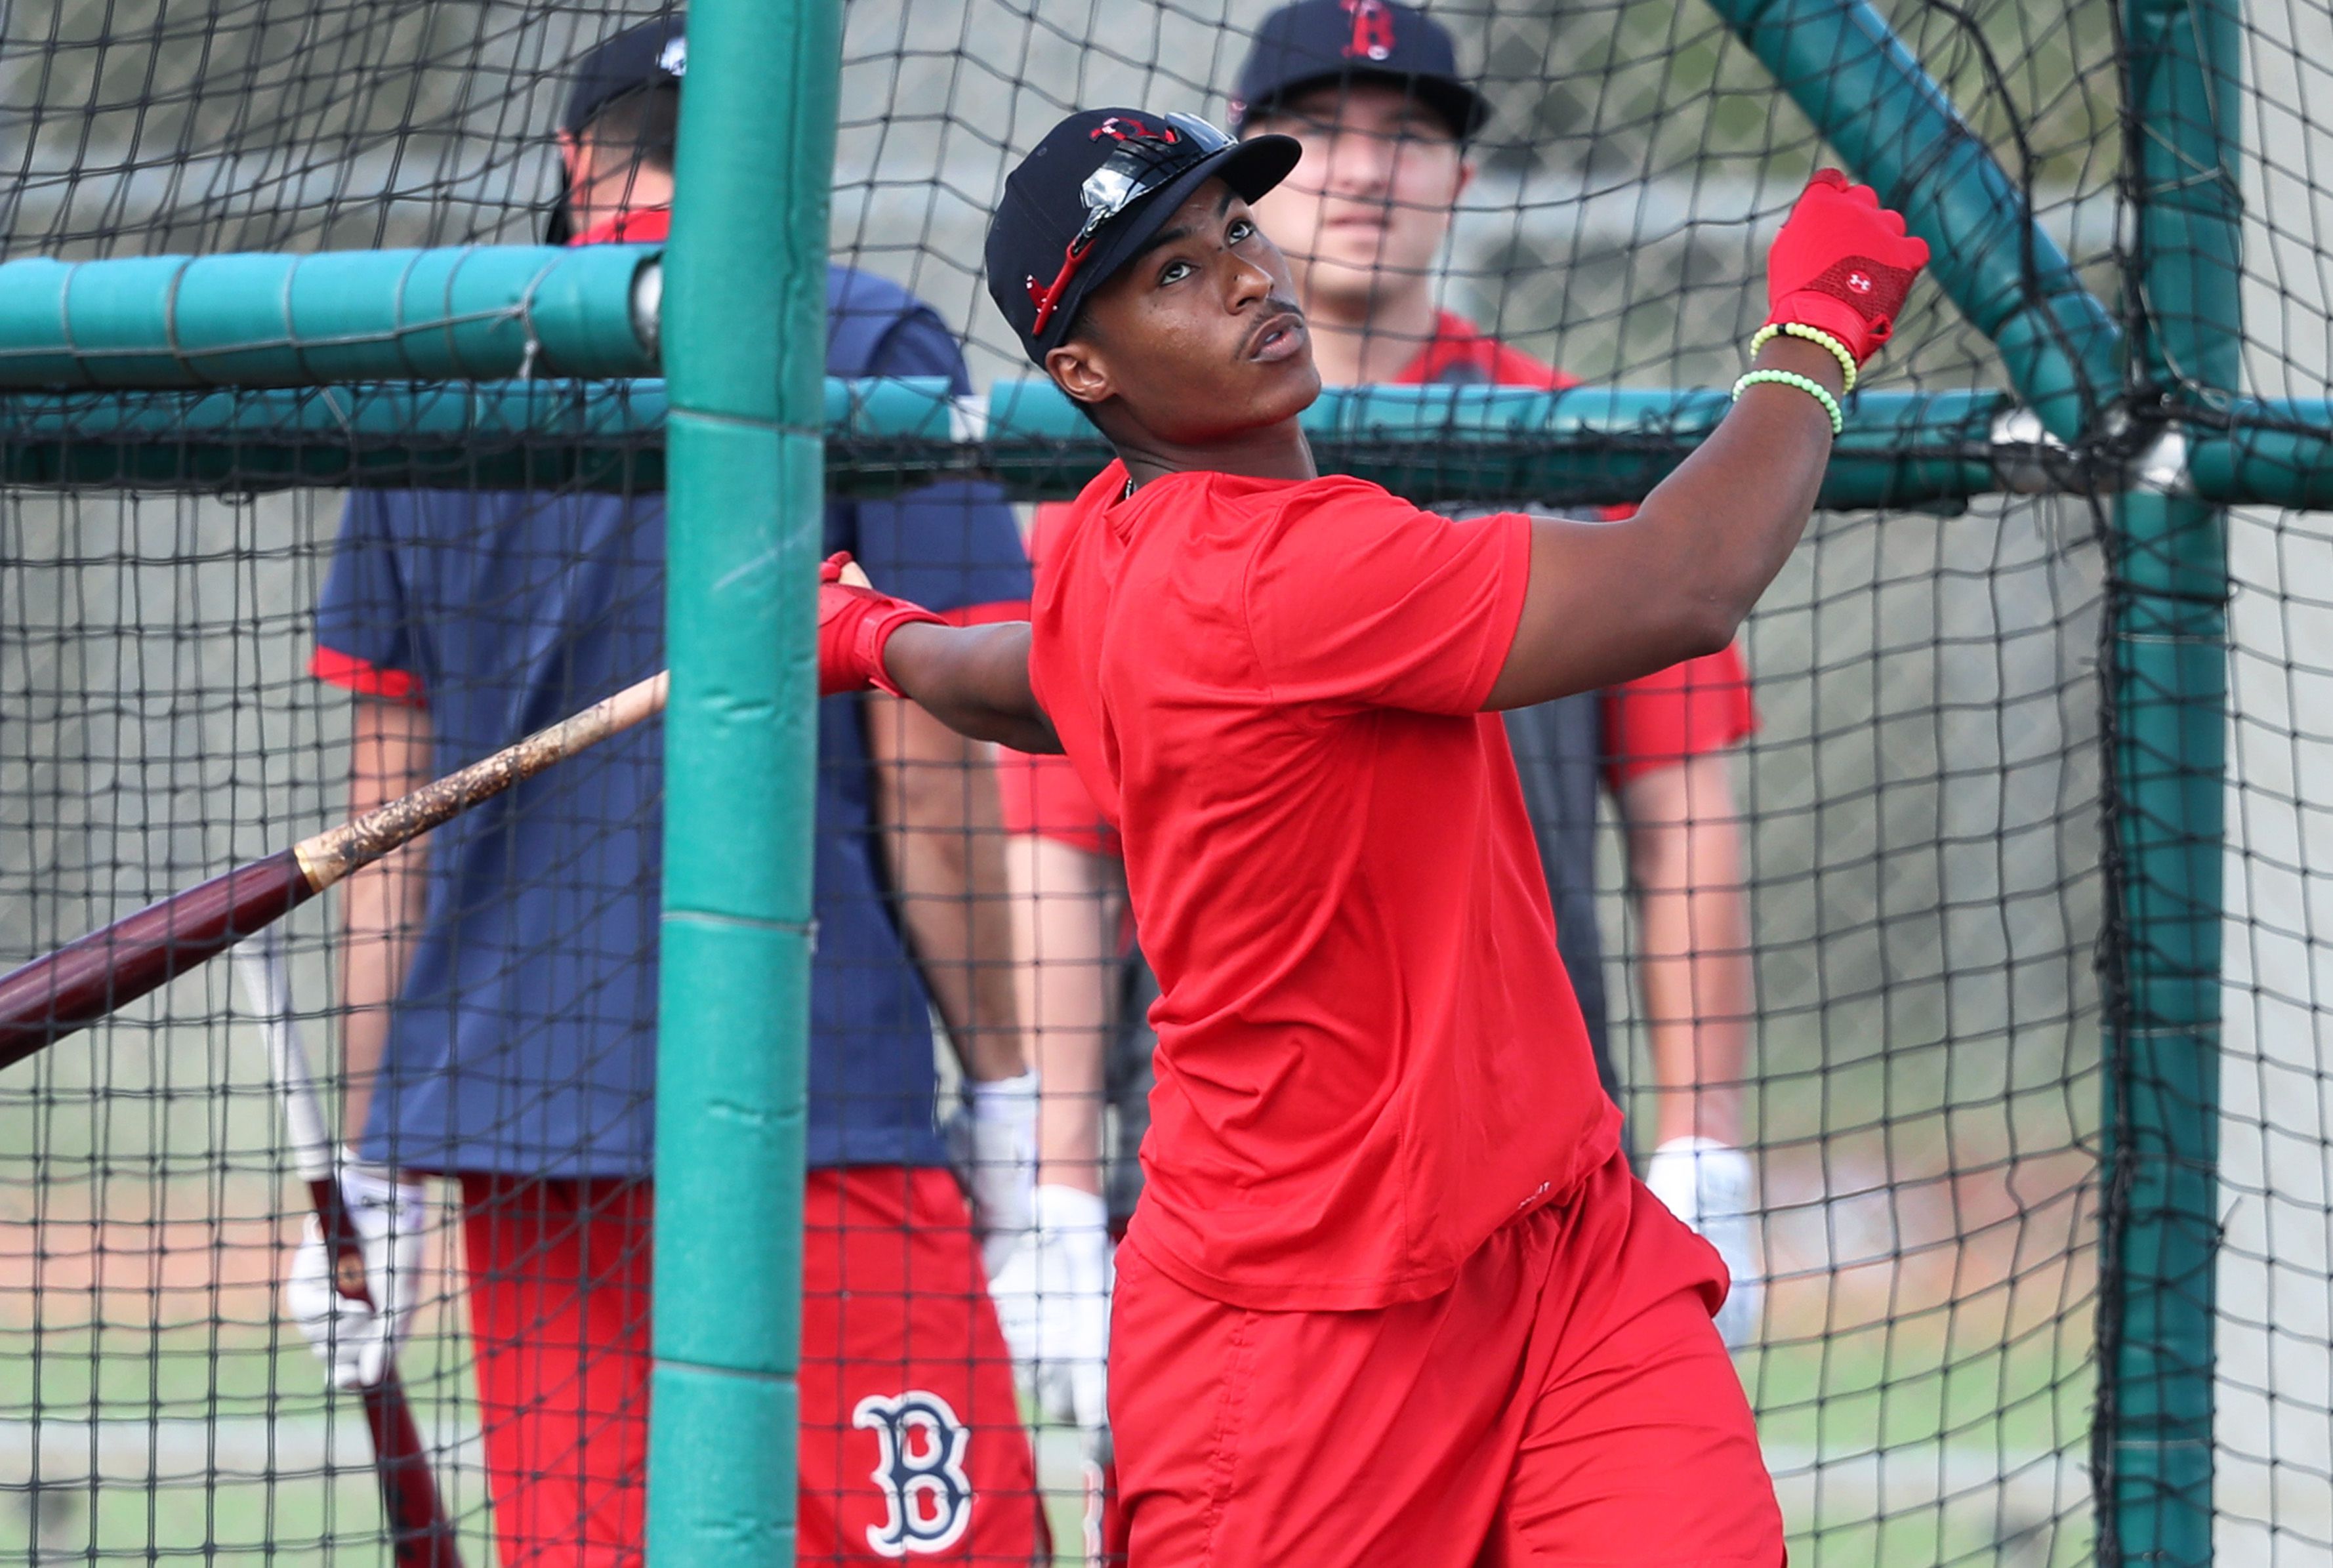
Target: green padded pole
(266,319)
(1870,99)
(745,331)
(2167,663)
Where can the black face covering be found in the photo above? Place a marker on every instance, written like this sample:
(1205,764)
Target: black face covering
(557,229)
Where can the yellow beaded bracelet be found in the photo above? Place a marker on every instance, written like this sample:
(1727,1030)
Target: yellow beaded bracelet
(1816,335)
(1807,384)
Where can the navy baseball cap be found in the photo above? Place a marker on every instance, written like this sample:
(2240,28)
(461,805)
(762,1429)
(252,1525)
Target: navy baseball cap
(1092,193)
(1322,42)
(652,54)
(649,55)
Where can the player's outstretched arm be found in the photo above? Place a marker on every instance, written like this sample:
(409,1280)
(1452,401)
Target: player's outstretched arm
(974,680)
(1610,602)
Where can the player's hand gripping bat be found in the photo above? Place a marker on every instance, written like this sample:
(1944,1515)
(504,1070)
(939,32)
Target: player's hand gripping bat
(85,980)
(419,1535)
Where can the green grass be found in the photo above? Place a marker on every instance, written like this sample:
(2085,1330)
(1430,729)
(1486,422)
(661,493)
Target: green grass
(1915,1437)
(1911,1393)
(1893,1390)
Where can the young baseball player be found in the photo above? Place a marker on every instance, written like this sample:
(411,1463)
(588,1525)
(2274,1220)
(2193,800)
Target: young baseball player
(1373,92)
(1392,1294)
(503,979)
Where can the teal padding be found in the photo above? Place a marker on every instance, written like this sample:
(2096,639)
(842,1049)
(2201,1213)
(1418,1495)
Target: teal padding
(1581,445)
(1588,444)
(2184,63)
(747,666)
(737,1153)
(745,335)
(1868,96)
(262,320)
(2277,452)
(733,1439)
(2153,1445)
(2167,659)
(606,436)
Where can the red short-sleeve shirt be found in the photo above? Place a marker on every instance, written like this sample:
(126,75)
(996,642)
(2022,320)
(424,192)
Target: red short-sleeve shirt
(1657,721)
(1369,1057)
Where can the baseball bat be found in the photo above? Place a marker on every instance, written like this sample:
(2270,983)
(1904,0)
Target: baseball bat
(419,1535)
(67,990)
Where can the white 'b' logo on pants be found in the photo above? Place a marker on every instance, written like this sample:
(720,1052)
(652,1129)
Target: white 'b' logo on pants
(921,1471)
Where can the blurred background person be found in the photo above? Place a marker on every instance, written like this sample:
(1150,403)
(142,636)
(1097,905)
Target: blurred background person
(500,974)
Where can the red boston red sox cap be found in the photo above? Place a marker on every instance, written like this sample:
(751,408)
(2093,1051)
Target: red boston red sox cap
(1088,195)
(1323,42)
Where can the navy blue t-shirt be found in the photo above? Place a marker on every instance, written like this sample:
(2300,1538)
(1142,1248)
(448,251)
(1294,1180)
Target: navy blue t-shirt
(523,1041)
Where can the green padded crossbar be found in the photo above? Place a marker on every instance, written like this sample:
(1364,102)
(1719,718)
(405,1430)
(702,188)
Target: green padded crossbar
(2276,452)
(264,319)
(1585,444)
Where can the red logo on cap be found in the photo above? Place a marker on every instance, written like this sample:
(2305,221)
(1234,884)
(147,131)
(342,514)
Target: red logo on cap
(1372,30)
(1132,129)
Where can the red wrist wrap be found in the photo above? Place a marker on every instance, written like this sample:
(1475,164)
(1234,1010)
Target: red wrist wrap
(853,624)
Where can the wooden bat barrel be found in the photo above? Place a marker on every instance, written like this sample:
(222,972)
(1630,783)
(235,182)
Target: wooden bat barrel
(81,982)
(85,980)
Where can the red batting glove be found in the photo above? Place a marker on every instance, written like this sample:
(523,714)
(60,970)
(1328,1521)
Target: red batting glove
(1842,264)
(853,624)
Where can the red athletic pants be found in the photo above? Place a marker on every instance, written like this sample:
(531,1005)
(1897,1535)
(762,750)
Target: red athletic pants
(911,1440)
(1566,1401)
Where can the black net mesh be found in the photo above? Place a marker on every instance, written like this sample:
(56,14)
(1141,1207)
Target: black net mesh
(1849,920)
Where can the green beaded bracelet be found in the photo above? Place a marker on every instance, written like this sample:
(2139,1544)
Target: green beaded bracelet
(1807,384)
(1815,335)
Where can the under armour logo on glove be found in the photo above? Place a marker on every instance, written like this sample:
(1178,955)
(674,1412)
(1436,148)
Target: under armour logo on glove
(1872,288)
(927,1492)
(1842,264)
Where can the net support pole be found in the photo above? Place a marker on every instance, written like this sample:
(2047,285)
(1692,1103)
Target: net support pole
(1868,96)
(2167,666)
(744,333)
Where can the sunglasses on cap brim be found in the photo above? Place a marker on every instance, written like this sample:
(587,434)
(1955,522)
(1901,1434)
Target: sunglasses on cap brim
(1148,157)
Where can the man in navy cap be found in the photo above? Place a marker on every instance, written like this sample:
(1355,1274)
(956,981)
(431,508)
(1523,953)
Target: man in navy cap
(501,976)
(1392,1294)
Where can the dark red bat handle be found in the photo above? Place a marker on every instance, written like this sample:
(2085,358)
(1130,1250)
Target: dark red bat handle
(85,980)
(419,1534)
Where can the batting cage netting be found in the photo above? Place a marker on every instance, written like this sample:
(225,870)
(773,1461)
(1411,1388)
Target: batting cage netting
(1958,938)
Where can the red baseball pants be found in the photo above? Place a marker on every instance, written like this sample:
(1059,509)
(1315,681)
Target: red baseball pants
(912,1439)
(1566,1401)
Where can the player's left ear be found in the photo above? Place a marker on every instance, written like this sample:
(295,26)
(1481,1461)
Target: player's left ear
(1465,175)
(1081,369)
(573,157)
